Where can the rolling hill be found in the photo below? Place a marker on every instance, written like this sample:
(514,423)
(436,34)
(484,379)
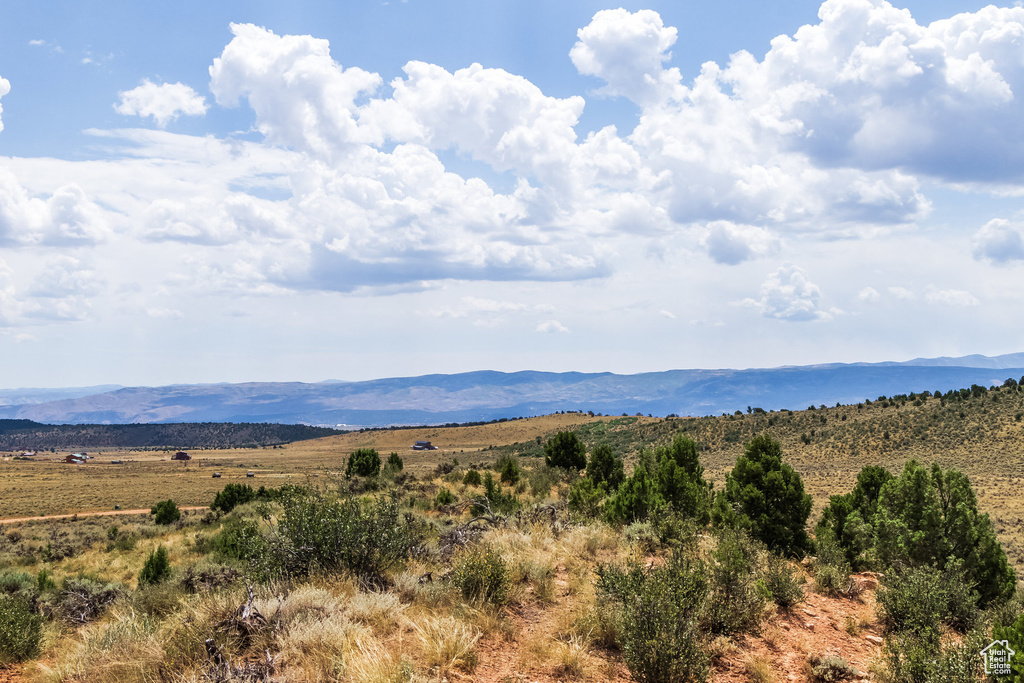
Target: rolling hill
(489,395)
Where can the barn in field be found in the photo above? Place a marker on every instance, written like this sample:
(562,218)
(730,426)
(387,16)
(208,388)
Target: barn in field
(423,446)
(75,459)
(181,455)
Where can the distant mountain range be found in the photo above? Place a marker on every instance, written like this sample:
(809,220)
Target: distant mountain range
(489,395)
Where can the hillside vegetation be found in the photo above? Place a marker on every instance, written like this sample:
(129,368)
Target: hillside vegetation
(29,435)
(763,546)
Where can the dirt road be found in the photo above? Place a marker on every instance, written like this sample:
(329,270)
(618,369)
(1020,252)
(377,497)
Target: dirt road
(102,513)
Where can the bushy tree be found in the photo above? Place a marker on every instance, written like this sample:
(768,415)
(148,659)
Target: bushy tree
(472,478)
(232,496)
(395,463)
(849,518)
(364,462)
(165,512)
(157,567)
(324,532)
(585,497)
(659,612)
(767,497)
(636,498)
(508,467)
(681,482)
(930,517)
(604,467)
(565,450)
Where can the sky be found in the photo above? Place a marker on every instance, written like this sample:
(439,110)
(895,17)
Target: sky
(264,191)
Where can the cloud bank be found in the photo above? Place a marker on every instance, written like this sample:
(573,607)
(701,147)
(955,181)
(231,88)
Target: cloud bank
(833,134)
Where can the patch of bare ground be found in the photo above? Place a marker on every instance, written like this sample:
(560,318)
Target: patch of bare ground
(13,674)
(820,626)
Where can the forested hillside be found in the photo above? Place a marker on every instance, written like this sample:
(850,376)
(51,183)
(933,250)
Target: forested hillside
(29,435)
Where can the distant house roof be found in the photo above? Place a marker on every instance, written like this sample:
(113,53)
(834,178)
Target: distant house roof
(181,455)
(423,446)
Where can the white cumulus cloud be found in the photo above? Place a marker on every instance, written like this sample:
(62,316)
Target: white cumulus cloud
(730,243)
(957,298)
(999,241)
(628,51)
(5,87)
(551,326)
(164,102)
(787,294)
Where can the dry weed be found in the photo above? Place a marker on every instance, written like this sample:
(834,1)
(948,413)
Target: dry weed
(372,663)
(571,656)
(447,644)
(379,611)
(759,670)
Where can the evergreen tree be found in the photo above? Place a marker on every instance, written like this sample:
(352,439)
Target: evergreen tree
(636,498)
(930,517)
(680,479)
(565,450)
(850,518)
(604,467)
(767,497)
(364,462)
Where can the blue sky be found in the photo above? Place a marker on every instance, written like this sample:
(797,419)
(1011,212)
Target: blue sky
(233,191)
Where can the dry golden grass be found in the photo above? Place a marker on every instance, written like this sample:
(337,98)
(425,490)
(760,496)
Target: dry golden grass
(447,644)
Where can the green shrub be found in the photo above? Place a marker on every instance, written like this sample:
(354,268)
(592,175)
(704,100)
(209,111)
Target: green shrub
(736,602)
(831,569)
(829,669)
(20,630)
(658,621)
(121,541)
(322,532)
(927,517)
(165,512)
(363,462)
(908,658)
(444,497)
(1014,635)
(604,467)
(238,539)
(919,600)
(20,585)
(542,479)
(508,469)
(44,581)
(781,582)
(472,478)
(585,498)
(565,450)
(232,496)
(394,462)
(635,500)
(768,497)
(500,502)
(481,574)
(157,568)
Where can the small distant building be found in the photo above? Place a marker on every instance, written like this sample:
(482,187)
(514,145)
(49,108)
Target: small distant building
(181,455)
(216,475)
(250,475)
(75,459)
(27,454)
(423,446)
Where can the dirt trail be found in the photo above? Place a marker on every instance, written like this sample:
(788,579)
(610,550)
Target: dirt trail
(101,513)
